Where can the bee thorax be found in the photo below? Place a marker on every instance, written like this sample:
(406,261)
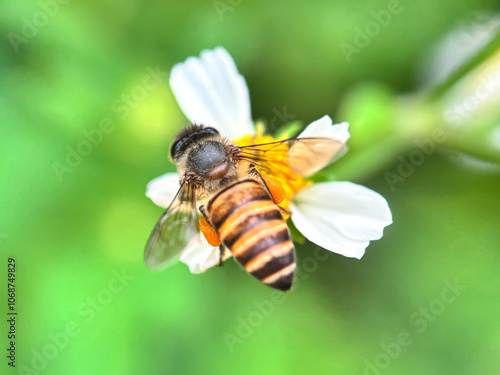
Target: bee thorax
(206,156)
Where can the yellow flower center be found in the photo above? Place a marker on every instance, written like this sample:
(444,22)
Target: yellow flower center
(289,180)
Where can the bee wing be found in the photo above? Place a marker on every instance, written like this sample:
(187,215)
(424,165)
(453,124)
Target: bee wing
(174,230)
(303,156)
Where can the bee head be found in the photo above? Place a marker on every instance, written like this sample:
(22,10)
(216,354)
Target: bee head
(189,136)
(203,152)
(209,159)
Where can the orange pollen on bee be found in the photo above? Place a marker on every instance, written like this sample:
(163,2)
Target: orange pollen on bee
(277,191)
(210,234)
(283,185)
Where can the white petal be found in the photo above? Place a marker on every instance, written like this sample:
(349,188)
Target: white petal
(210,91)
(340,216)
(200,256)
(162,189)
(310,162)
(324,127)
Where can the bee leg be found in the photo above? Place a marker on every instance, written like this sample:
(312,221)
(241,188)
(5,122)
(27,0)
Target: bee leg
(273,187)
(204,212)
(255,172)
(208,230)
(285,211)
(222,251)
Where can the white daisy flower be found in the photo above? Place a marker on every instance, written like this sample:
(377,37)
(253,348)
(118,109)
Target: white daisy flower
(339,216)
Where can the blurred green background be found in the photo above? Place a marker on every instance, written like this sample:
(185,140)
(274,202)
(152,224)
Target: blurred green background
(67,67)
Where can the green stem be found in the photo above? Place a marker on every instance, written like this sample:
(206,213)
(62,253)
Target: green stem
(486,152)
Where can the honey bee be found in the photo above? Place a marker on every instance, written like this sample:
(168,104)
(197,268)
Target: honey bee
(233,189)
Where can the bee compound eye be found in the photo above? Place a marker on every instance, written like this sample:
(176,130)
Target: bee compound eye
(192,135)
(211,131)
(176,147)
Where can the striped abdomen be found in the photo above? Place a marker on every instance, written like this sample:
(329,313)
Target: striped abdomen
(251,226)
